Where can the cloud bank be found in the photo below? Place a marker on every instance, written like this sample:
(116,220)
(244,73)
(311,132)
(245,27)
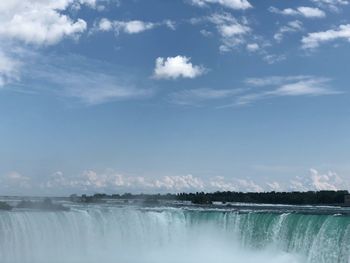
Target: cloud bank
(110,181)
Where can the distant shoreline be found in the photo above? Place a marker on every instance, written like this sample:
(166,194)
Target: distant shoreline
(282,198)
(327,198)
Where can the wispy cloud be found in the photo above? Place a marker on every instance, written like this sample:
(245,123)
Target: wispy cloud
(9,69)
(273,58)
(201,95)
(277,86)
(274,80)
(233,32)
(206,33)
(290,27)
(311,87)
(237,34)
(16,181)
(314,40)
(333,5)
(88,81)
(256,89)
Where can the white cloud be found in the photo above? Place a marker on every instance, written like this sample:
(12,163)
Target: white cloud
(131,27)
(233,4)
(308,12)
(277,86)
(273,58)
(287,11)
(274,186)
(99,5)
(291,27)
(334,5)
(296,24)
(312,86)
(9,69)
(27,23)
(233,32)
(176,67)
(249,185)
(57,180)
(170,24)
(298,184)
(15,180)
(275,80)
(105,25)
(252,47)
(314,40)
(329,181)
(314,181)
(317,181)
(206,33)
(110,181)
(186,182)
(237,34)
(311,12)
(332,2)
(38,22)
(221,184)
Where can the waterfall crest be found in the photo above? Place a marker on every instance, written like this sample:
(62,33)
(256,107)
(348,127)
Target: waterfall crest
(105,234)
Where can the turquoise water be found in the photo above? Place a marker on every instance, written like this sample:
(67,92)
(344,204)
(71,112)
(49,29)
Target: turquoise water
(125,234)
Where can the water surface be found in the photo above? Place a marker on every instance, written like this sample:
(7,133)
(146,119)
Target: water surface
(173,233)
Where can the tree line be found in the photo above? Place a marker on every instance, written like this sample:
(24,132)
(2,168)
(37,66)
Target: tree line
(291,198)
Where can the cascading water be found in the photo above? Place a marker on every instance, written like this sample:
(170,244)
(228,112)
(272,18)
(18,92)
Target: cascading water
(101,233)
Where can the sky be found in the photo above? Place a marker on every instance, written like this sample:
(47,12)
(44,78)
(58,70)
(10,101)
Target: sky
(173,95)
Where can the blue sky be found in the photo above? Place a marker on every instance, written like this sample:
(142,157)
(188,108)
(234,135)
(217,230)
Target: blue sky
(173,95)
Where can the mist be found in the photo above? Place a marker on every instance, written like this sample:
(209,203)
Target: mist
(125,234)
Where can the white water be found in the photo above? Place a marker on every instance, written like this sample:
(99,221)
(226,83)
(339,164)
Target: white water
(132,235)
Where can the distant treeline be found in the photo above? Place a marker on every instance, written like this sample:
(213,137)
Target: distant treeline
(292,198)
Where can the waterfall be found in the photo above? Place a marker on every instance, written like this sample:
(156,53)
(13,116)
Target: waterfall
(101,233)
